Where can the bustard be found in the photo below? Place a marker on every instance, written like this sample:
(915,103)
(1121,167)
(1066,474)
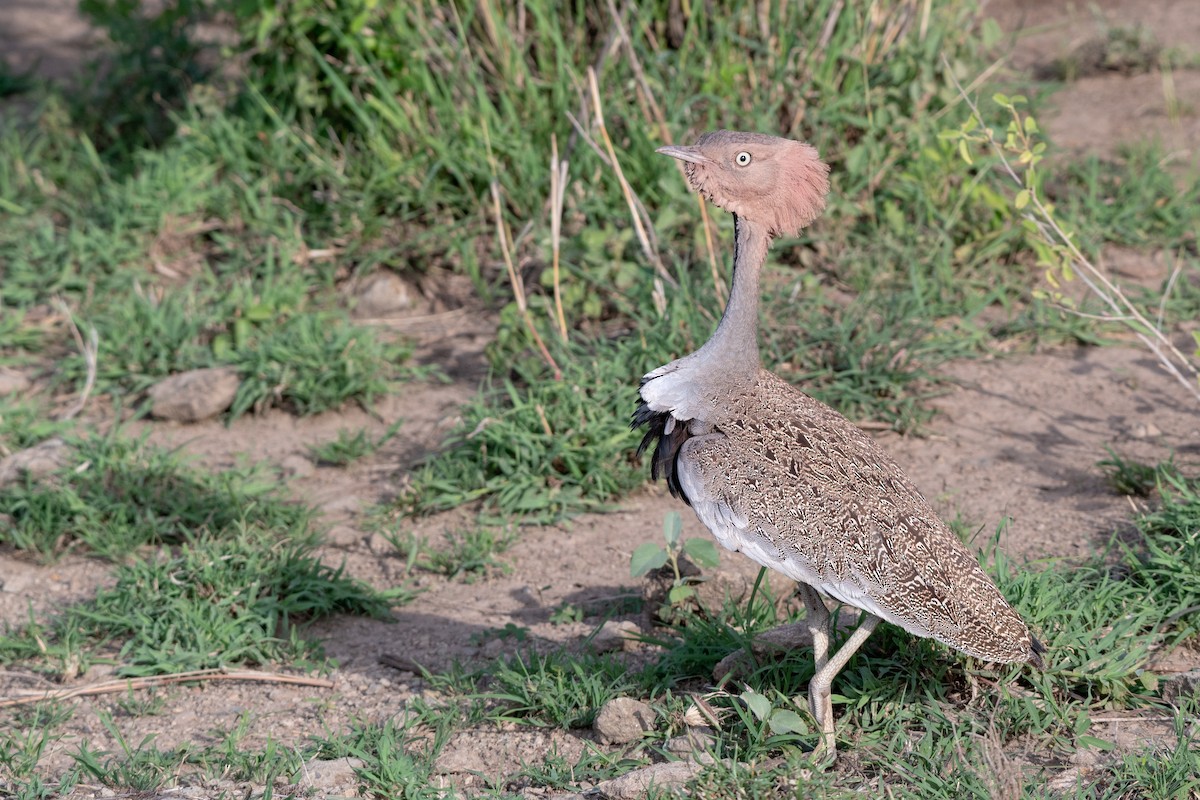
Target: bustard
(787,480)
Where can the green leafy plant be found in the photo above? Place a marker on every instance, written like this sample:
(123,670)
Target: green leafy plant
(650,556)
(1018,153)
(566,613)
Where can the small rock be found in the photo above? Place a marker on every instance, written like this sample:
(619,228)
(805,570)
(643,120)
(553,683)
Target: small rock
(460,757)
(12,381)
(637,784)
(380,545)
(623,720)
(695,744)
(336,776)
(295,465)
(36,462)
(1085,757)
(194,395)
(344,536)
(1066,781)
(382,294)
(18,582)
(346,504)
(1145,430)
(616,635)
(1181,685)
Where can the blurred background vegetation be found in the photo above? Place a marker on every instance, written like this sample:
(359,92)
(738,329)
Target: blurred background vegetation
(232,163)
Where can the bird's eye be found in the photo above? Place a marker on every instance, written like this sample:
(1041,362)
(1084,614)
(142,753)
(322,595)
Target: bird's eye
(742,159)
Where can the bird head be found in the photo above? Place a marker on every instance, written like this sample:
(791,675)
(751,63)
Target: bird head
(777,183)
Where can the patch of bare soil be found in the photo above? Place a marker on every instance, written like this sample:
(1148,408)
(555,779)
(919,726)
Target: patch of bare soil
(1106,108)
(1015,438)
(47,38)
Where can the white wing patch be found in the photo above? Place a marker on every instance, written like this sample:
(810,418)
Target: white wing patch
(673,388)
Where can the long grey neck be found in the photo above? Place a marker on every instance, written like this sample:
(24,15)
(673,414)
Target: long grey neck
(733,347)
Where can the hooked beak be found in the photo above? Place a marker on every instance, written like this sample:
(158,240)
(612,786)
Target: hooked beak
(690,154)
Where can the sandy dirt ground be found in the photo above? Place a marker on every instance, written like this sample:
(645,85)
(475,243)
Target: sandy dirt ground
(1015,439)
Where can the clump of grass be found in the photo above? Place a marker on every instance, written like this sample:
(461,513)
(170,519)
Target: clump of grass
(1133,200)
(212,603)
(115,495)
(350,447)
(23,424)
(397,756)
(556,689)
(27,732)
(145,767)
(464,553)
(1166,562)
(540,448)
(1173,772)
(1129,477)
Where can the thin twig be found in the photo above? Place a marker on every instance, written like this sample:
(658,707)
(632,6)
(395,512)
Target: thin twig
(1162,302)
(1092,277)
(660,295)
(517,284)
(152,681)
(558,188)
(90,350)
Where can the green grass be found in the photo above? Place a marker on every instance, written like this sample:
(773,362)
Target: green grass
(350,447)
(196,223)
(146,768)
(211,603)
(233,574)
(27,732)
(397,755)
(115,495)
(223,236)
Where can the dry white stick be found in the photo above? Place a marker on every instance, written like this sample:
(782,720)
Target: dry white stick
(90,350)
(151,681)
(1097,282)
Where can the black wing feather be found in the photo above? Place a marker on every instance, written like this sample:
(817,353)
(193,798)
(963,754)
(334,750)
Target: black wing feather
(666,451)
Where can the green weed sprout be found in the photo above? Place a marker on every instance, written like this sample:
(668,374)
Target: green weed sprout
(651,556)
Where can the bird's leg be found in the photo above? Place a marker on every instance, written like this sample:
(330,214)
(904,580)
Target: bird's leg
(820,701)
(817,621)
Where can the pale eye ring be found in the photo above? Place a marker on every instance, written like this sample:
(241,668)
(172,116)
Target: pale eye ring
(742,159)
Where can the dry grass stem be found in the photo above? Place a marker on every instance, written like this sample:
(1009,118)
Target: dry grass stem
(636,211)
(660,122)
(90,350)
(558,188)
(152,681)
(517,284)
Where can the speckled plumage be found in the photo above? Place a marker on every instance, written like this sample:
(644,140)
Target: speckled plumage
(823,504)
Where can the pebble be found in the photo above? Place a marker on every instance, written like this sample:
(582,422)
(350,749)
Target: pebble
(12,381)
(637,784)
(695,744)
(194,395)
(382,294)
(329,777)
(1181,685)
(623,720)
(1145,430)
(35,462)
(616,635)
